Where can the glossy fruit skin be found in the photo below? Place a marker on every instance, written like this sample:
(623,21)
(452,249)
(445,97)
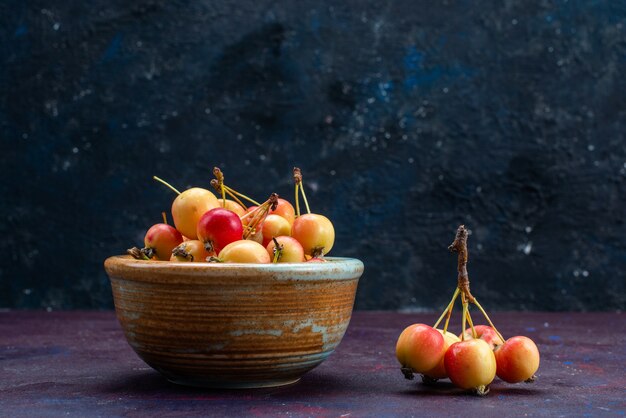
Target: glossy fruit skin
(315,232)
(274,226)
(420,347)
(219,227)
(244,251)
(162,239)
(517,359)
(194,252)
(439,371)
(188,208)
(286,210)
(232,206)
(470,364)
(292,250)
(485,333)
(315,260)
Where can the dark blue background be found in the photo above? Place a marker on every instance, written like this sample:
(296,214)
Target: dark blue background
(407,117)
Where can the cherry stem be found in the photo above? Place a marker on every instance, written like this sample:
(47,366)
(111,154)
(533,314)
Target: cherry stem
(445,327)
(164,215)
(248,214)
(297,198)
(459,245)
(464,302)
(308,210)
(259,214)
(235,198)
(218,185)
(488,320)
(259,217)
(219,176)
(448,308)
(471,324)
(243,196)
(278,250)
(297,178)
(160,180)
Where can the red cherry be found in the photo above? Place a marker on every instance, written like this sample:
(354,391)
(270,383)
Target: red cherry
(160,240)
(219,227)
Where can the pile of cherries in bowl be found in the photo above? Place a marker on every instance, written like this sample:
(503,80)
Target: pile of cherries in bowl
(211,229)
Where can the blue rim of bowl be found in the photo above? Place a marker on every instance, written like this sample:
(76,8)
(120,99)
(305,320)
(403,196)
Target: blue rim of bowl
(334,267)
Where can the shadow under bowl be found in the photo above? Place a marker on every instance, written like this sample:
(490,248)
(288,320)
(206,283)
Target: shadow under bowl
(233,325)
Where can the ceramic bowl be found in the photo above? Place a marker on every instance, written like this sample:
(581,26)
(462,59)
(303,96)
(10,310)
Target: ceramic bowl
(233,325)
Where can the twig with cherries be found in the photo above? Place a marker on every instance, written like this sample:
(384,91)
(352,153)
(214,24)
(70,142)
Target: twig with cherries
(474,358)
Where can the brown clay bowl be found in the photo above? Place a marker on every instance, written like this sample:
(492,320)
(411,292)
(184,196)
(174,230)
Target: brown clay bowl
(233,325)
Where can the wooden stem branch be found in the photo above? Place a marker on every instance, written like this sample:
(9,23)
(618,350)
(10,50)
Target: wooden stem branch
(460,246)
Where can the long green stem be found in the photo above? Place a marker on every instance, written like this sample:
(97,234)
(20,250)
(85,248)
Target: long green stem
(471,324)
(243,196)
(308,210)
(297,199)
(445,327)
(259,215)
(448,308)
(235,198)
(488,320)
(160,180)
(247,215)
(464,302)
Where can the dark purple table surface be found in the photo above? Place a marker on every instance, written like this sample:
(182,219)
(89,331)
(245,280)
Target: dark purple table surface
(79,364)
